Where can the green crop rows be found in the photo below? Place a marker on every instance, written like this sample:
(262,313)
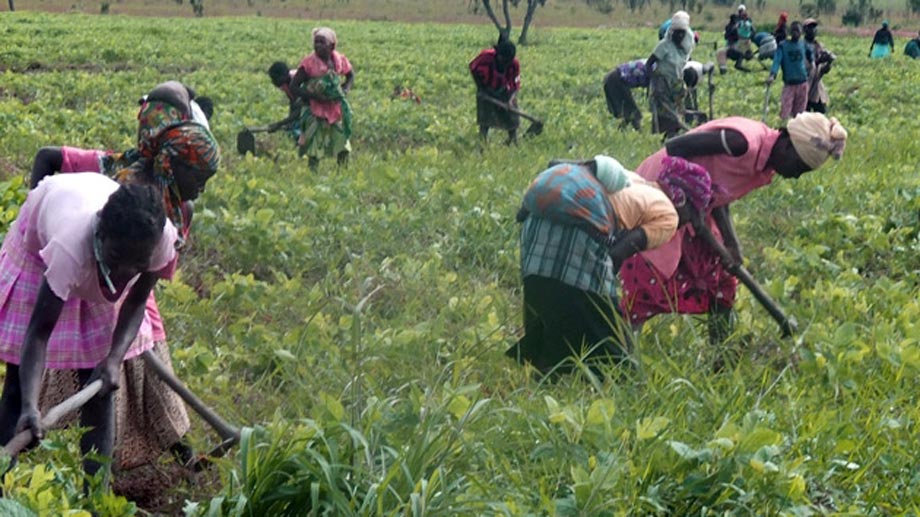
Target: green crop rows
(356,318)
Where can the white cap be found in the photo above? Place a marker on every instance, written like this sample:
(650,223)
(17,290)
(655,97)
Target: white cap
(742,7)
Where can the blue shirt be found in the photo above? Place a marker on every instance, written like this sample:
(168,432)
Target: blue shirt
(792,56)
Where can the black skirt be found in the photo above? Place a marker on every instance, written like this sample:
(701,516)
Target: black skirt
(562,323)
(490,115)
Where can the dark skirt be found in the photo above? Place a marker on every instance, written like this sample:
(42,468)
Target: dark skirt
(620,102)
(666,100)
(490,115)
(562,323)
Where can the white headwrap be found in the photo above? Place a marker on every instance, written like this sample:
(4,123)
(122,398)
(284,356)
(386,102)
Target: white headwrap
(326,33)
(680,20)
(611,173)
(816,137)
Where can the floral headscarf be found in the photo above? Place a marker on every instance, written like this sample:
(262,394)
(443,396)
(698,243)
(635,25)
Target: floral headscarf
(188,143)
(153,118)
(684,181)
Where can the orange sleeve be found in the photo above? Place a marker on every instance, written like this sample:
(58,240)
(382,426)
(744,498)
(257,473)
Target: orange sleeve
(643,205)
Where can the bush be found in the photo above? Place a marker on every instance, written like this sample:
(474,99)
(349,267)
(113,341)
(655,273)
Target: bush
(860,11)
(827,6)
(852,16)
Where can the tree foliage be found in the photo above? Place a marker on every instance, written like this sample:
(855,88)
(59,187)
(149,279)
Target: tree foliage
(505,30)
(860,11)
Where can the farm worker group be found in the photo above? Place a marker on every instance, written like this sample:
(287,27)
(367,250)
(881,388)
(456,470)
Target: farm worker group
(580,221)
(78,266)
(319,114)
(573,246)
(619,83)
(584,222)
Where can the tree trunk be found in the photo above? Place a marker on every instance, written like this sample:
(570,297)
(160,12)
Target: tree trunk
(502,31)
(531,8)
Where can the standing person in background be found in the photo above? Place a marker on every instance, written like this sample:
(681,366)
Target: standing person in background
(795,59)
(882,43)
(745,33)
(782,30)
(281,76)
(817,93)
(323,79)
(497,74)
(731,38)
(666,86)
(685,275)
(912,49)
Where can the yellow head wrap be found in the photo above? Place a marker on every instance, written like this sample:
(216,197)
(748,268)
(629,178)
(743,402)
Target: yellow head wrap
(816,137)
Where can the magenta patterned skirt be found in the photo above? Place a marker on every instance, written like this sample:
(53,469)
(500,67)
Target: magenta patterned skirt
(698,282)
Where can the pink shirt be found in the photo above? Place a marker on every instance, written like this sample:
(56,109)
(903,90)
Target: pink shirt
(81,160)
(88,160)
(735,175)
(63,215)
(315,67)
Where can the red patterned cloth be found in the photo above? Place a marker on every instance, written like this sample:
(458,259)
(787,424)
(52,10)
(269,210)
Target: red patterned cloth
(487,75)
(685,275)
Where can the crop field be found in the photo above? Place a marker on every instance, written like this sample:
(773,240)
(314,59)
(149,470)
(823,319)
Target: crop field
(354,320)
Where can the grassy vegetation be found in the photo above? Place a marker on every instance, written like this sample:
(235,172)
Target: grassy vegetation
(357,317)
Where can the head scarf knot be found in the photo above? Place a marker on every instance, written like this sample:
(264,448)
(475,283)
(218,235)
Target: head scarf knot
(325,33)
(816,138)
(684,181)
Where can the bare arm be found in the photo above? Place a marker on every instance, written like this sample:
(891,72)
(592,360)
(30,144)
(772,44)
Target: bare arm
(45,314)
(723,219)
(48,160)
(630,243)
(705,143)
(129,321)
(349,81)
(293,116)
(300,77)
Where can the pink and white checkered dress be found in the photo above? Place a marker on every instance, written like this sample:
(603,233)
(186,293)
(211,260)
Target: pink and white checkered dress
(51,240)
